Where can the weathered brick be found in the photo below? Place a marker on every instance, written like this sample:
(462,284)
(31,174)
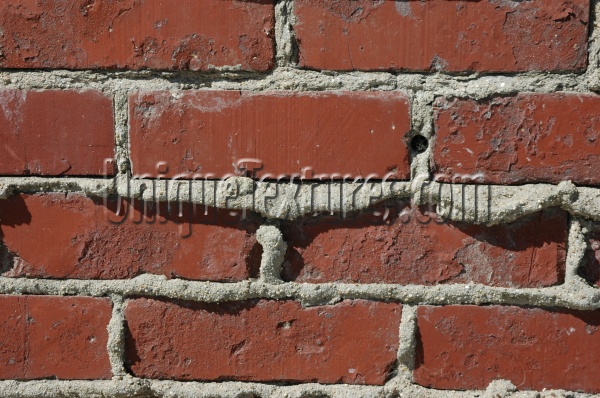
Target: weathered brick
(484,36)
(350,342)
(521,139)
(466,347)
(411,246)
(210,131)
(137,34)
(58,236)
(54,337)
(56,132)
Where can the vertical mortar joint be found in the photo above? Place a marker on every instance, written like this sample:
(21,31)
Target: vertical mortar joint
(116,338)
(274,248)
(408,343)
(285,40)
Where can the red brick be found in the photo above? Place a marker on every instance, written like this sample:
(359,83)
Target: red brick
(137,34)
(331,132)
(350,342)
(590,269)
(412,247)
(455,36)
(466,347)
(58,236)
(54,337)
(56,132)
(521,139)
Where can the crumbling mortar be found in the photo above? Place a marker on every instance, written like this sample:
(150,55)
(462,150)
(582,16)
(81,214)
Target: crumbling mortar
(576,247)
(573,295)
(274,248)
(594,35)
(142,388)
(286,49)
(116,338)
(476,85)
(483,204)
(121,115)
(422,124)
(593,71)
(408,343)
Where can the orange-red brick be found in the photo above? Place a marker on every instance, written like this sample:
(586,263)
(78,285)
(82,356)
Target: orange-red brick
(333,133)
(412,246)
(467,347)
(56,133)
(351,342)
(483,36)
(137,34)
(58,236)
(54,337)
(527,138)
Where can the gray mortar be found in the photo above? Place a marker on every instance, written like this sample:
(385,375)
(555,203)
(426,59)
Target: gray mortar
(141,388)
(507,203)
(576,247)
(408,345)
(274,248)
(121,107)
(285,40)
(116,338)
(574,293)
(290,200)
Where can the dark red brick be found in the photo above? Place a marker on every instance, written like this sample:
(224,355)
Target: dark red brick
(56,132)
(413,247)
(58,236)
(210,131)
(137,34)
(522,139)
(54,337)
(351,342)
(467,347)
(454,36)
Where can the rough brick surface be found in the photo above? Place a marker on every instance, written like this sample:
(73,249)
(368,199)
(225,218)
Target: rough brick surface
(350,342)
(210,131)
(442,35)
(55,132)
(466,347)
(54,337)
(590,269)
(53,236)
(413,247)
(137,34)
(526,138)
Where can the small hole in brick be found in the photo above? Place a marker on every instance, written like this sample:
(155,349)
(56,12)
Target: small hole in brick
(419,144)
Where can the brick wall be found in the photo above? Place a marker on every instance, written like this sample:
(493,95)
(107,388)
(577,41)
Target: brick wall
(299,198)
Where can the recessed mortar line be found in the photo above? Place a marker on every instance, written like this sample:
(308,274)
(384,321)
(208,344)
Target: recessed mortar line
(593,69)
(476,86)
(408,343)
(593,42)
(576,246)
(116,338)
(422,124)
(122,128)
(286,48)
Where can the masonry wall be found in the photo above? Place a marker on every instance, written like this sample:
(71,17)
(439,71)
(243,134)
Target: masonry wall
(299,198)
